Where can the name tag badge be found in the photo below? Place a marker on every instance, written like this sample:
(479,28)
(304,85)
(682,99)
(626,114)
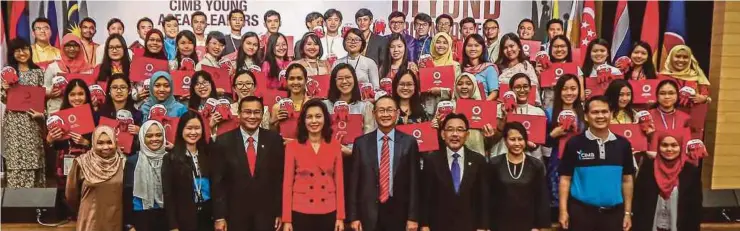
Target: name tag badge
(68,164)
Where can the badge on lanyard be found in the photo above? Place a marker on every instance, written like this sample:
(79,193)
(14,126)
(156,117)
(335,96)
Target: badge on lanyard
(68,160)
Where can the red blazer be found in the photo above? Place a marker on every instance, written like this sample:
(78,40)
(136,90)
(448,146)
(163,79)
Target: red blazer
(313,182)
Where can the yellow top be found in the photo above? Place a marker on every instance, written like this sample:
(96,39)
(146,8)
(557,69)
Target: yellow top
(45,54)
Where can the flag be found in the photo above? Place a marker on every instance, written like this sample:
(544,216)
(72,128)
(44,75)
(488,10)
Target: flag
(51,14)
(675,29)
(72,16)
(2,39)
(555,10)
(650,27)
(83,9)
(19,18)
(572,23)
(588,27)
(621,37)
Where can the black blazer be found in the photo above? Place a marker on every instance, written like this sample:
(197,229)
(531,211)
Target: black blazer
(377,48)
(237,195)
(445,210)
(179,192)
(363,193)
(646,198)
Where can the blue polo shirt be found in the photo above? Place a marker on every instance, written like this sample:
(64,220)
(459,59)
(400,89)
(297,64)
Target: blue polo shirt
(597,167)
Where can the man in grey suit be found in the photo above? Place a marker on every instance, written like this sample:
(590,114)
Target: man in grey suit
(383,193)
(376,45)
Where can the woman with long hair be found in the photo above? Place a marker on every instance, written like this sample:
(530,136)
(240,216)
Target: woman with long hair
(567,98)
(143,196)
(518,185)
(23,147)
(512,60)
(642,62)
(186,171)
(311,52)
(185,41)
(407,96)
(520,85)
(276,59)
(95,184)
(154,45)
(399,59)
(250,52)
(597,54)
(161,86)
(118,100)
(620,97)
(215,42)
(116,58)
(313,161)
(668,191)
(560,52)
(72,62)
(343,88)
(474,62)
(245,84)
(202,87)
(365,68)
(296,78)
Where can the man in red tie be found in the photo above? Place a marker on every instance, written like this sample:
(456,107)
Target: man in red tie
(247,182)
(383,193)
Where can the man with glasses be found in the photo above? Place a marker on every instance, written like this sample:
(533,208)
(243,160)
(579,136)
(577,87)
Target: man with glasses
(383,191)
(247,185)
(397,21)
(376,45)
(444,24)
(236,23)
(422,41)
(490,31)
(43,51)
(443,194)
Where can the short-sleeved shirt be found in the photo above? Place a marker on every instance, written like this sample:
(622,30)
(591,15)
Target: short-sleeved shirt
(597,167)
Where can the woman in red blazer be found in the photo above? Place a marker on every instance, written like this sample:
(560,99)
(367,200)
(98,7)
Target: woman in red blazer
(313,188)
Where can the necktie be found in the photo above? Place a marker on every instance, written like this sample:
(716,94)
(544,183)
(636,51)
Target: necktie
(385,170)
(455,169)
(251,155)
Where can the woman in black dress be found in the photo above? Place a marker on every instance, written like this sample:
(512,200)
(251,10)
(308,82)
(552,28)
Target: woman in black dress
(668,192)
(519,195)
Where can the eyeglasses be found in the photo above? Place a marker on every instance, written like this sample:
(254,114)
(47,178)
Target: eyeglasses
(342,79)
(421,24)
(406,85)
(520,87)
(41,28)
(119,88)
(354,40)
(154,40)
(202,84)
(458,130)
(444,24)
(113,48)
(397,23)
(244,85)
(383,111)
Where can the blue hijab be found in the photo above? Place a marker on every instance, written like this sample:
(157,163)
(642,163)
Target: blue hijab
(174,108)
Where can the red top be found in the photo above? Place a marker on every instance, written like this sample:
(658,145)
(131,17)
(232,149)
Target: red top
(313,181)
(665,122)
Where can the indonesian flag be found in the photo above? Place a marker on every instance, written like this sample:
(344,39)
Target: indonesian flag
(588,25)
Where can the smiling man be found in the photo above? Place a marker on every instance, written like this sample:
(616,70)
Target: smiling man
(397,21)
(88,29)
(465,195)
(199,24)
(376,44)
(596,175)
(43,51)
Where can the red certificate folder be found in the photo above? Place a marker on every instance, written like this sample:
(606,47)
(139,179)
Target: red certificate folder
(425,135)
(633,133)
(23,98)
(550,76)
(143,68)
(348,130)
(443,76)
(478,112)
(535,125)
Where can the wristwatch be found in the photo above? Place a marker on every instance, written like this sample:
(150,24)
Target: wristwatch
(629,214)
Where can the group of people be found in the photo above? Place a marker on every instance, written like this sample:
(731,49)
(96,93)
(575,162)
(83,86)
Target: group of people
(251,175)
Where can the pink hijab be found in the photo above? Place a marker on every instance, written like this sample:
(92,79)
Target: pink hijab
(78,64)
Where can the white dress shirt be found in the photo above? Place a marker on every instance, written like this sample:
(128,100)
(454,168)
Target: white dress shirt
(460,160)
(245,138)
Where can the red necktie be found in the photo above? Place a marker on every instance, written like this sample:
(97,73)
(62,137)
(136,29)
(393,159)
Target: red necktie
(385,170)
(251,155)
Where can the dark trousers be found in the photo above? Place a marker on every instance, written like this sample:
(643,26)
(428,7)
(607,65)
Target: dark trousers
(150,220)
(314,222)
(584,217)
(390,217)
(252,222)
(204,216)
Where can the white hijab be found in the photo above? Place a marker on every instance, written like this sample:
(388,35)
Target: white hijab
(148,172)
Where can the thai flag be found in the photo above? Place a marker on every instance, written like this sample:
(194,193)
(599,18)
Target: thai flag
(622,37)
(675,29)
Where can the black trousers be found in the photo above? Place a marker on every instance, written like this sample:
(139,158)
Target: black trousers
(149,220)
(314,222)
(390,217)
(584,217)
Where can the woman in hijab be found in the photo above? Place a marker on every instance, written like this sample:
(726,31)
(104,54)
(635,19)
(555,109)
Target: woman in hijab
(161,87)
(154,45)
(144,201)
(95,184)
(683,67)
(72,62)
(441,52)
(668,194)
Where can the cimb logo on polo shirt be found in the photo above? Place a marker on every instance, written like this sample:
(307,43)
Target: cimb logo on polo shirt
(586,155)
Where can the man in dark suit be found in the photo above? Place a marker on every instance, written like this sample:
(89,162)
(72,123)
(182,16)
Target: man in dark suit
(376,45)
(455,188)
(248,173)
(383,192)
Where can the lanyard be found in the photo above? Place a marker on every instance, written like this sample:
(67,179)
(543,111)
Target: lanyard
(662,116)
(196,176)
(231,38)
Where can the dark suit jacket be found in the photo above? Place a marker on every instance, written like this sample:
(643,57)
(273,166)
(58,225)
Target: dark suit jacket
(646,197)
(377,48)
(237,194)
(445,210)
(178,190)
(363,192)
